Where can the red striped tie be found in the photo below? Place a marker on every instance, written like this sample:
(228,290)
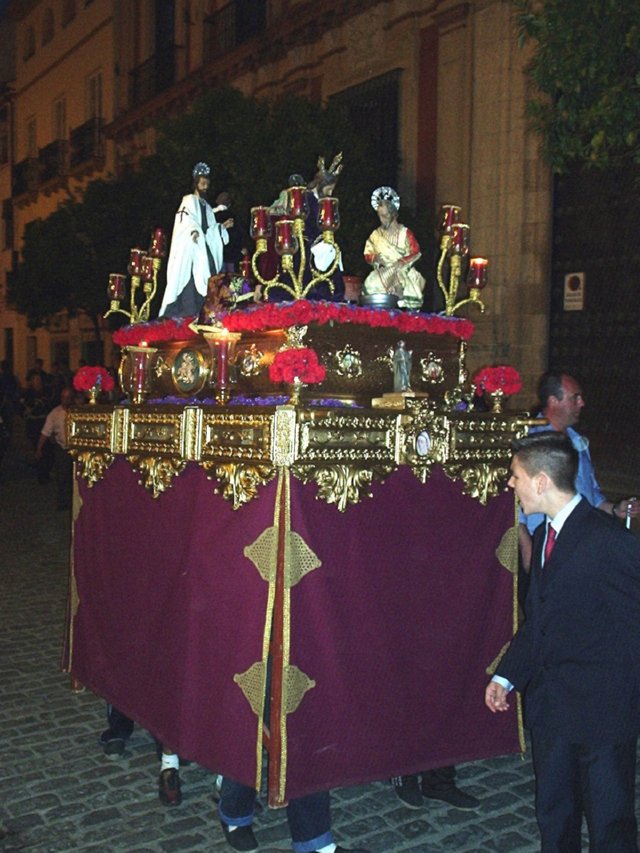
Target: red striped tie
(551,541)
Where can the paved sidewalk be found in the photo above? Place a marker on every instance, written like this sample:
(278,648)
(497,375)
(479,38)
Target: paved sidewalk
(58,792)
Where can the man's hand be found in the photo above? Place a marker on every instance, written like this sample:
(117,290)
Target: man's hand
(495,697)
(228,223)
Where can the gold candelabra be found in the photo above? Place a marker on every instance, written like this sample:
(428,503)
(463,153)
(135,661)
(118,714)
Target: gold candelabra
(290,242)
(143,269)
(454,248)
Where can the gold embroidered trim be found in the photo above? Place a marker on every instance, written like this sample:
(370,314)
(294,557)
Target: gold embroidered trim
(295,684)
(252,683)
(507,551)
(263,553)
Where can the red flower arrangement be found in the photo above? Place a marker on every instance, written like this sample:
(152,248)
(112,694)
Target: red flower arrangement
(281,315)
(174,329)
(89,377)
(297,363)
(502,378)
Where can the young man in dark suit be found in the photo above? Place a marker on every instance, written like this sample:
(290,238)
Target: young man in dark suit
(576,657)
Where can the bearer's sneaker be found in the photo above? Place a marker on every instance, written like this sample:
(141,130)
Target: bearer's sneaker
(407,789)
(452,795)
(241,838)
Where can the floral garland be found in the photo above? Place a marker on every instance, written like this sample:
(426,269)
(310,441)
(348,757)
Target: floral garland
(282,315)
(174,329)
(501,378)
(297,363)
(93,377)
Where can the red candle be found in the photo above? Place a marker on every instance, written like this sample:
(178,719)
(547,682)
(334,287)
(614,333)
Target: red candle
(477,276)
(460,239)
(245,268)
(146,268)
(158,247)
(135,261)
(117,286)
(297,203)
(328,214)
(260,222)
(449,215)
(286,241)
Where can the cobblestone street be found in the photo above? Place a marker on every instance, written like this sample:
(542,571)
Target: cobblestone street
(58,792)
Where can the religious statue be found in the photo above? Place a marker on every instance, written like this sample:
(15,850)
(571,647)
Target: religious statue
(392,250)
(196,251)
(402,368)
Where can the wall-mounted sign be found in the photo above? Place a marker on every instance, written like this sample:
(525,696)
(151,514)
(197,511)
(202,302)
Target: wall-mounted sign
(574,286)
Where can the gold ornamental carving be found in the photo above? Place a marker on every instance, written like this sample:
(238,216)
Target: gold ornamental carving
(91,465)
(347,362)
(482,480)
(342,484)
(240,482)
(250,361)
(157,472)
(431,369)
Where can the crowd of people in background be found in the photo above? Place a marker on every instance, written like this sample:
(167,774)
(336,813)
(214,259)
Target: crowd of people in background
(37,409)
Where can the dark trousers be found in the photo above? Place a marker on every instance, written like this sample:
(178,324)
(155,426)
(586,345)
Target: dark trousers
(63,471)
(120,725)
(309,817)
(597,781)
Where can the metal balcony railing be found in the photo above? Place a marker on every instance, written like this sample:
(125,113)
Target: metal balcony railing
(153,76)
(24,176)
(54,160)
(86,142)
(232,25)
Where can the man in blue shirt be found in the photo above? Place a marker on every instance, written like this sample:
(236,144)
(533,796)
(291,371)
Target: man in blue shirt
(561,403)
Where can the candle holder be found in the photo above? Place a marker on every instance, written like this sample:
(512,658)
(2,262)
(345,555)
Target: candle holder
(454,249)
(291,246)
(143,269)
(222,344)
(135,372)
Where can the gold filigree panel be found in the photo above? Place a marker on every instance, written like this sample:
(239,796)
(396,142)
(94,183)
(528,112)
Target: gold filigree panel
(507,550)
(299,559)
(295,684)
(253,682)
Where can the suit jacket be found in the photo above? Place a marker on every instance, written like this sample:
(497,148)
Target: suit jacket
(577,655)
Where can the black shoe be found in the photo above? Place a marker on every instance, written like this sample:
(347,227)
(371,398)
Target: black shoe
(408,790)
(112,744)
(169,789)
(241,839)
(350,850)
(454,796)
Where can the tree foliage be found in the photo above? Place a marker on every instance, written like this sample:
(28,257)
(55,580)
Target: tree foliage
(586,67)
(252,147)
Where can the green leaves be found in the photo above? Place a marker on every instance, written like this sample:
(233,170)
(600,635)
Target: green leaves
(586,67)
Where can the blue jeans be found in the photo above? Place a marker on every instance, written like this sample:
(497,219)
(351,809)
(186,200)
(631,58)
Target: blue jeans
(309,817)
